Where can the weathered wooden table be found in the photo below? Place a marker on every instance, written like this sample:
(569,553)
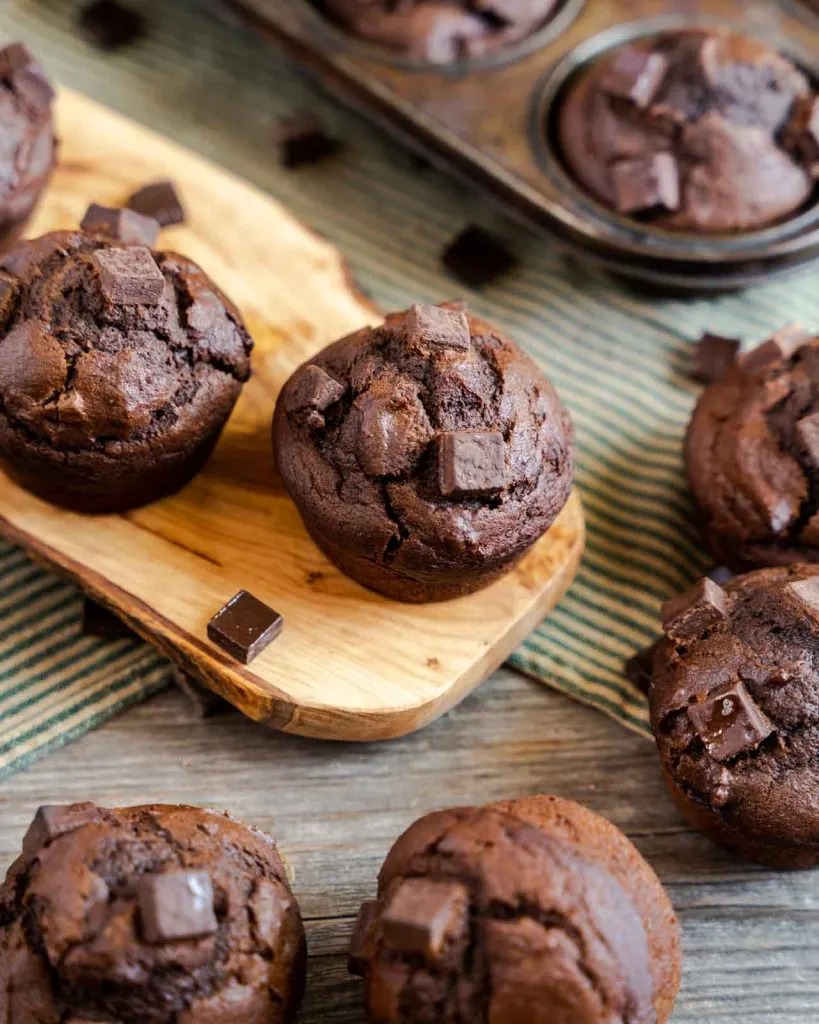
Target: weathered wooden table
(751,936)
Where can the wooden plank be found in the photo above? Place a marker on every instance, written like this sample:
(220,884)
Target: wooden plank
(350,664)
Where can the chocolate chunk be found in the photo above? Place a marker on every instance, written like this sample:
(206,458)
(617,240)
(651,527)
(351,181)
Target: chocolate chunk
(437,326)
(477,258)
(775,350)
(98,621)
(176,905)
(129,276)
(714,355)
(26,77)
(109,25)
(640,667)
(362,944)
(159,200)
(690,614)
(471,464)
(807,434)
(303,140)
(423,915)
(729,722)
(805,594)
(204,702)
(636,75)
(646,183)
(125,226)
(311,391)
(244,627)
(268,908)
(54,820)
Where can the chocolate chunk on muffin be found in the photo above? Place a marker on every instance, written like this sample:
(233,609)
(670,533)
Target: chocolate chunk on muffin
(527,913)
(704,131)
(28,146)
(440,31)
(752,455)
(426,456)
(735,712)
(152,915)
(119,366)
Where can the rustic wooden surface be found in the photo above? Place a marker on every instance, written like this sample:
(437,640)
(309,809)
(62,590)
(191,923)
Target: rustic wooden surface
(751,936)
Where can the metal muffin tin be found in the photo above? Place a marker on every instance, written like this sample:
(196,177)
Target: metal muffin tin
(488,120)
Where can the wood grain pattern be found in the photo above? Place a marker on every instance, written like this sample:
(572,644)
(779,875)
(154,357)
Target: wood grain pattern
(350,664)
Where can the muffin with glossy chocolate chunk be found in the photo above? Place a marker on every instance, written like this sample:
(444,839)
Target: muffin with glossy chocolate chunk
(752,455)
(119,366)
(530,912)
(151,915)
(426,456)
(735,711)
(440,31)
(704,131)
(28,146)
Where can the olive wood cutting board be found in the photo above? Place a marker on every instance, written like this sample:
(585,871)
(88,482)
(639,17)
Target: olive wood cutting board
(349,665)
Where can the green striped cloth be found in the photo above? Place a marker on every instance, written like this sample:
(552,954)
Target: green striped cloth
(619,360)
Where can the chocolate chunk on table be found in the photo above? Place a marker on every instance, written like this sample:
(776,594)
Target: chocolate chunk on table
(713,356)
(123,225)
(729,722)
(439,326)
(477,258)
(159,200)
(110,25)
(54,820)
(302,140)
(423,914)
(176,905)
(687,616)
(129,277)
(471,463)
(244,627)
(98,621)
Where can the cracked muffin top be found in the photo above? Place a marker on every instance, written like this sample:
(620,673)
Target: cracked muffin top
(148,915)
(425,455)
(752,455)
(704,131)
(440,31)
(735,711)
(482,917)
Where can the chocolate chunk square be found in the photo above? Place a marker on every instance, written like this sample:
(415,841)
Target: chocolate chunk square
(636,75)
(303,140)
(477,258)
(244,627)
(54,820)
(362,944)
(110,25)
(776,350)
(312,388)
(123,225)
(714,355)
(26,77)
(423,915)
(690,614)
(129,276)
(176,905)
(646,183)
(98,621)
(729,722)
(437,326)
(471,464)
(159,200)
(807,434)
(805,595)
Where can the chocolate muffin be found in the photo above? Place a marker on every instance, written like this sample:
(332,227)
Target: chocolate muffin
(119,366)
(440,31)
(703,131)
(752,455)
(735,711)
(150,915)
(28,147)
(516,914)
(426,455)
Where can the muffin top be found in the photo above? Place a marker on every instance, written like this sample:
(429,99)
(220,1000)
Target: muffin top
(735,702)
(430,445)
(27,143)
(704,131)
(752,455)
(441,31)
(152,915)
(102,344)
(481,916)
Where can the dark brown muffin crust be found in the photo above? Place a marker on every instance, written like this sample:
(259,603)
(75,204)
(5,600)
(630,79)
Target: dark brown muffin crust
(150,915)
(752,456)
(735,711)
(482,917)
(118,368)
(704,131)
(28,147)
(441,31)
(425,456)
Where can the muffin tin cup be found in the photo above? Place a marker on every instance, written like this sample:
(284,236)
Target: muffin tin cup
(487,119)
